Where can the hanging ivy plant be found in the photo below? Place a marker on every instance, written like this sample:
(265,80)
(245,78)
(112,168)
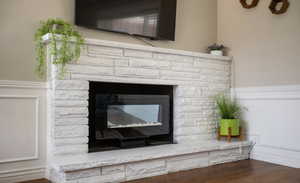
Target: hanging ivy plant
(62,48)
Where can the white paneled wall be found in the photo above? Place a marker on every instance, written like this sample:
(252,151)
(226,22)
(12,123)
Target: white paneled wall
(22,130)
(273,121)
(20,116)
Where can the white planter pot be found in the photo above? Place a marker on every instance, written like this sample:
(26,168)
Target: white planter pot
(216,52)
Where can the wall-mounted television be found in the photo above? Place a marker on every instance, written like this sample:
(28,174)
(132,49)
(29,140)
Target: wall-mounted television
(153,19)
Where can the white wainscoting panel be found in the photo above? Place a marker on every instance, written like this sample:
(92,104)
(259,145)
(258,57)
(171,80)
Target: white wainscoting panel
(22,130)
(273,121)
(19,115)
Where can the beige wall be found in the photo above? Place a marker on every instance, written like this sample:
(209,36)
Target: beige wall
(265,46)
(196,29)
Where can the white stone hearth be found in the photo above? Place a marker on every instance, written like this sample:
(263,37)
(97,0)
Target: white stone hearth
(196,78)
(124,165)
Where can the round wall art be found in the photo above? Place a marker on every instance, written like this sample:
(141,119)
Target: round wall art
(275,9)
(247,5)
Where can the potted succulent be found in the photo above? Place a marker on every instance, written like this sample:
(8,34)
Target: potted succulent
(68,49)
(216,49)
(230,112)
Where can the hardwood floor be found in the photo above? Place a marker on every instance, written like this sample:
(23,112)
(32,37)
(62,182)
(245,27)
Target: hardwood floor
(248,171)
(37,181)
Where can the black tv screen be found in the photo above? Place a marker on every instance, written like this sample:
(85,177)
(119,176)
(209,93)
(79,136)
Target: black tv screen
(153,19)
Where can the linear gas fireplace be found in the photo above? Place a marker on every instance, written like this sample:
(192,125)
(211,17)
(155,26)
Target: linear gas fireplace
(129,115)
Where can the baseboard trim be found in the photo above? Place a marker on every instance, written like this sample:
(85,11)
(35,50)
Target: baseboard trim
(22,84)
(23,172)
(276,159)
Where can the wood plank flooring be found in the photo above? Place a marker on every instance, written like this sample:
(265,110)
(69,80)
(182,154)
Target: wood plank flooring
(248,171)
(37,181)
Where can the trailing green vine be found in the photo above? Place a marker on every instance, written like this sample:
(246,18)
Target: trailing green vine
(63,48)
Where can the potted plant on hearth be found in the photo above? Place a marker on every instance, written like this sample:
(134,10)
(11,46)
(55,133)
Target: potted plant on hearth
(216,49)
(229,111)
(64,46)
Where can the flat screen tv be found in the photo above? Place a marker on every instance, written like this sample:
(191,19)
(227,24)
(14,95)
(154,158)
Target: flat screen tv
(153,19)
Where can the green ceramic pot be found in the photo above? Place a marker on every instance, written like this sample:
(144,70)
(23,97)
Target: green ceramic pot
(234,124)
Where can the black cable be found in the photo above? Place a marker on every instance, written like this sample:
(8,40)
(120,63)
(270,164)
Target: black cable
(141,39)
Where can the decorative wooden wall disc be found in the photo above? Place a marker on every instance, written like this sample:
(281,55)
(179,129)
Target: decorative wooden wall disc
(283,8)
(251,5)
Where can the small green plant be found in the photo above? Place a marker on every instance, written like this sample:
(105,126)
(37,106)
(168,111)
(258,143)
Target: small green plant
(216,47)
(228,108)
(66,51)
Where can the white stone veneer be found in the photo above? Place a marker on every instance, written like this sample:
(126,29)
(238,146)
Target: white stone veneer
(196,78)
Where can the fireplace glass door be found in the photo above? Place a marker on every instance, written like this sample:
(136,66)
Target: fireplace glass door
(127,115)
(124,116)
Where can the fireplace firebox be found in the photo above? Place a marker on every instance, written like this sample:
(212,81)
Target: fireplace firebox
(129,115)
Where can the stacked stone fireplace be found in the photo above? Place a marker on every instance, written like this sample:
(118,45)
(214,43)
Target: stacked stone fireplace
(195,79)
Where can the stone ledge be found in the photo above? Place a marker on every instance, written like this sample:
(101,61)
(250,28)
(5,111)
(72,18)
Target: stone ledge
(109,158)
(136,47)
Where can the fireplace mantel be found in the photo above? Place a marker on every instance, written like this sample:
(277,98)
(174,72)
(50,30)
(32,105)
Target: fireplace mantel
(115,44)
(196,78)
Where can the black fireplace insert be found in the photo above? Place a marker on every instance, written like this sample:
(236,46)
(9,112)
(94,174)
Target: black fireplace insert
(129,115)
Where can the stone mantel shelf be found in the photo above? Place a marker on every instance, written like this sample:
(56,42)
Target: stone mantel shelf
(110,158)
(89,41)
